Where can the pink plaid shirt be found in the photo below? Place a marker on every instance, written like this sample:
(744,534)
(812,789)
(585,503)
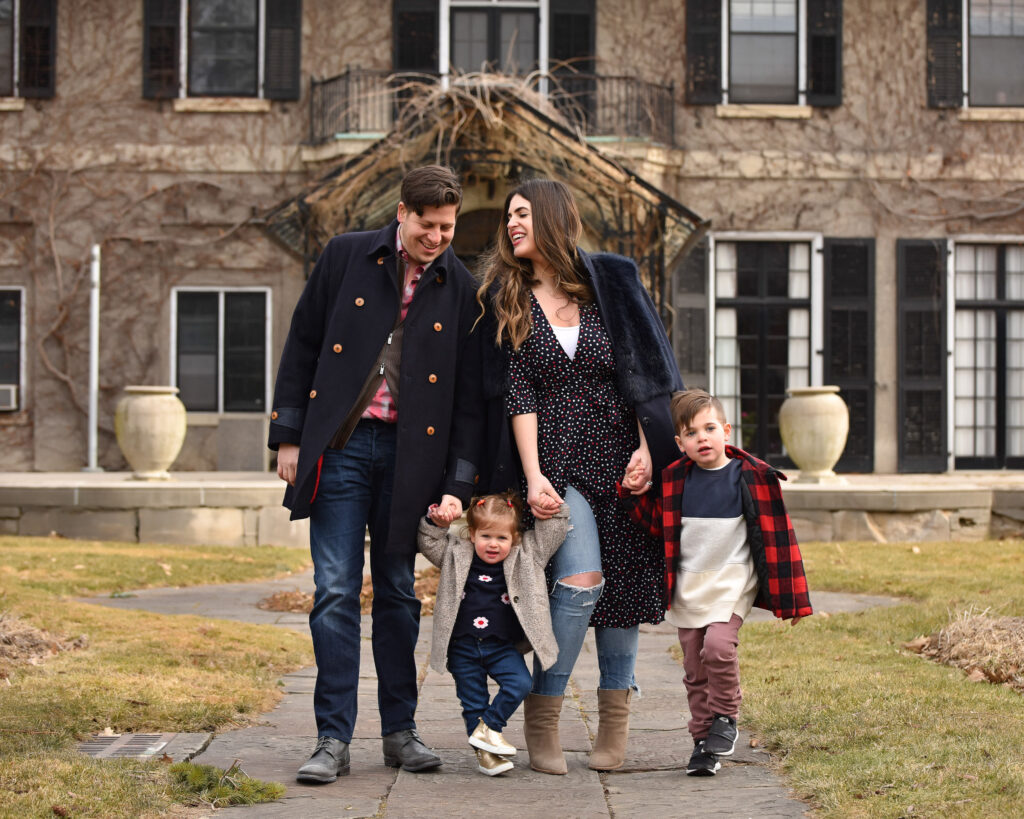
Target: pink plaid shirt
(382,405)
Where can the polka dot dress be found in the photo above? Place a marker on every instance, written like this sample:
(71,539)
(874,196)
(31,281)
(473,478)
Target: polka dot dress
(586,436)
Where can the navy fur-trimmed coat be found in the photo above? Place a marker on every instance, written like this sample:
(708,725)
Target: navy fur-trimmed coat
(782,584)
(338,330)
(645,368)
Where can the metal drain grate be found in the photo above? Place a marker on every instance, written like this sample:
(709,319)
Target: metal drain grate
(135,746)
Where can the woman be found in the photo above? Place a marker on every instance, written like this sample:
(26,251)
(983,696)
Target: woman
(583,367)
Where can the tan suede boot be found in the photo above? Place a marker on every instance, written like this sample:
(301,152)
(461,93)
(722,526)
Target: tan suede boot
(612,730)
(541,715)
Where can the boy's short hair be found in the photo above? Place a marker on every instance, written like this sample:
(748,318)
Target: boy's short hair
(687,403)
(432,186)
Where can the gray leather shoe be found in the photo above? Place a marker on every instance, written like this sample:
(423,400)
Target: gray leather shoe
(329,761)
(406,749)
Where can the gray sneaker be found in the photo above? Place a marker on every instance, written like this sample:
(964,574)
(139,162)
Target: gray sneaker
(721,739)
(701,762)
(329,761)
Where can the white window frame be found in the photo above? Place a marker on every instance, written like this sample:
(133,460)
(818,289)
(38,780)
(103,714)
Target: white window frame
(444,41)
(267,325)
(965,61)
(801,55)
(971,239)
(183,41)
(22,353)
(817,243)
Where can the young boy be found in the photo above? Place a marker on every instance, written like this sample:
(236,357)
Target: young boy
(729,545)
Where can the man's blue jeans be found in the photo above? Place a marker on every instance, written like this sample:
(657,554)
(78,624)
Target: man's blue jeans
(354,494)
(470,661)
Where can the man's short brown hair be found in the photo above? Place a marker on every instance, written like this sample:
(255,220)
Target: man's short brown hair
(432,186)
(687,403)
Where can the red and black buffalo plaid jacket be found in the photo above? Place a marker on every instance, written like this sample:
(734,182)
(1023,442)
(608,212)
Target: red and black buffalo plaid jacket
(782,585)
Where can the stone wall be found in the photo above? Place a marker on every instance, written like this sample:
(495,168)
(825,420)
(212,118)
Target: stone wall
(174,198)
(117,508)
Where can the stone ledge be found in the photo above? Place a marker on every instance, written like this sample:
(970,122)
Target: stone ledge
(79,523)
(883,499)
(224,527)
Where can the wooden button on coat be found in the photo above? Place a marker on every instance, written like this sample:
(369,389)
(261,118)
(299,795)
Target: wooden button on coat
(437,326)
(337,348)
(380,260)
(273,415)
(312,393)
(432,378)
(360,301)
(430,430)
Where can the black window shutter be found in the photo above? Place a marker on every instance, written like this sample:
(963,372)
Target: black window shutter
(921,271)
(160,43)
(945,54)
(38,40)
(283,48)
(850,342)
(416,34)
(825,52)
(690,322)
(703,52)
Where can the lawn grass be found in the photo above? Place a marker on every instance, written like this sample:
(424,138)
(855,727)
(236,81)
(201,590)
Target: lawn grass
(864,728)
(859,726)
(139,672)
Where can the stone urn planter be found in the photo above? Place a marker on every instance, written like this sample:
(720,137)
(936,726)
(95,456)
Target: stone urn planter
(814,423)
(150,427)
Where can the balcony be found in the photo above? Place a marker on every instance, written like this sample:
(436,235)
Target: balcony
(368,102)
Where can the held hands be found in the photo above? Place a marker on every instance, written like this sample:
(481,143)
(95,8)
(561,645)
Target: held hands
(446,512)
(542,498)
(639,472)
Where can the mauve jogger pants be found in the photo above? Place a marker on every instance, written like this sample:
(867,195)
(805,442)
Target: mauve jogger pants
(712,672)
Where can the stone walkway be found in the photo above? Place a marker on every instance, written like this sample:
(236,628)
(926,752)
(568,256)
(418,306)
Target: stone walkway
(651,785)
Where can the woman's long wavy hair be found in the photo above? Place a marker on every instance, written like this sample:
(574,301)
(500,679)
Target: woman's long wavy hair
(556,231)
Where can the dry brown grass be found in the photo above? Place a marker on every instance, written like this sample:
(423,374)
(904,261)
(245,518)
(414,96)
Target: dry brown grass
(984,646)
(300,602)
(23,644)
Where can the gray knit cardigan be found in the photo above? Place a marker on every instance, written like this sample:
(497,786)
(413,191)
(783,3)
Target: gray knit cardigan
(524,576)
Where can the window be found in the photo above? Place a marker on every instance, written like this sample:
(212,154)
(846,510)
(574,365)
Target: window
(230,48)
(988,356)
(762,49)
(28,32)
(220,348)
(995,52)
(975,53)
(762,336)
(11,343)
(432,36)
(486,36)
(764,52)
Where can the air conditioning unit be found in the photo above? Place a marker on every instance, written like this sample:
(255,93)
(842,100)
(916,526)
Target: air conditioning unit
(8,397)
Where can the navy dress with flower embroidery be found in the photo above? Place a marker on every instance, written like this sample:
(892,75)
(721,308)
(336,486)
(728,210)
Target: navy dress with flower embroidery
(586,434)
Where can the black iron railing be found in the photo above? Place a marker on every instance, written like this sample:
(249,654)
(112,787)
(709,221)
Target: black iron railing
(616,106)
(367,101)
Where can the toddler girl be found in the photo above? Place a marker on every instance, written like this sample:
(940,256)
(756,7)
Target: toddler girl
(491,594)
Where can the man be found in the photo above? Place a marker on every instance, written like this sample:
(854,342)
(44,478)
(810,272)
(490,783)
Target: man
(376,415)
